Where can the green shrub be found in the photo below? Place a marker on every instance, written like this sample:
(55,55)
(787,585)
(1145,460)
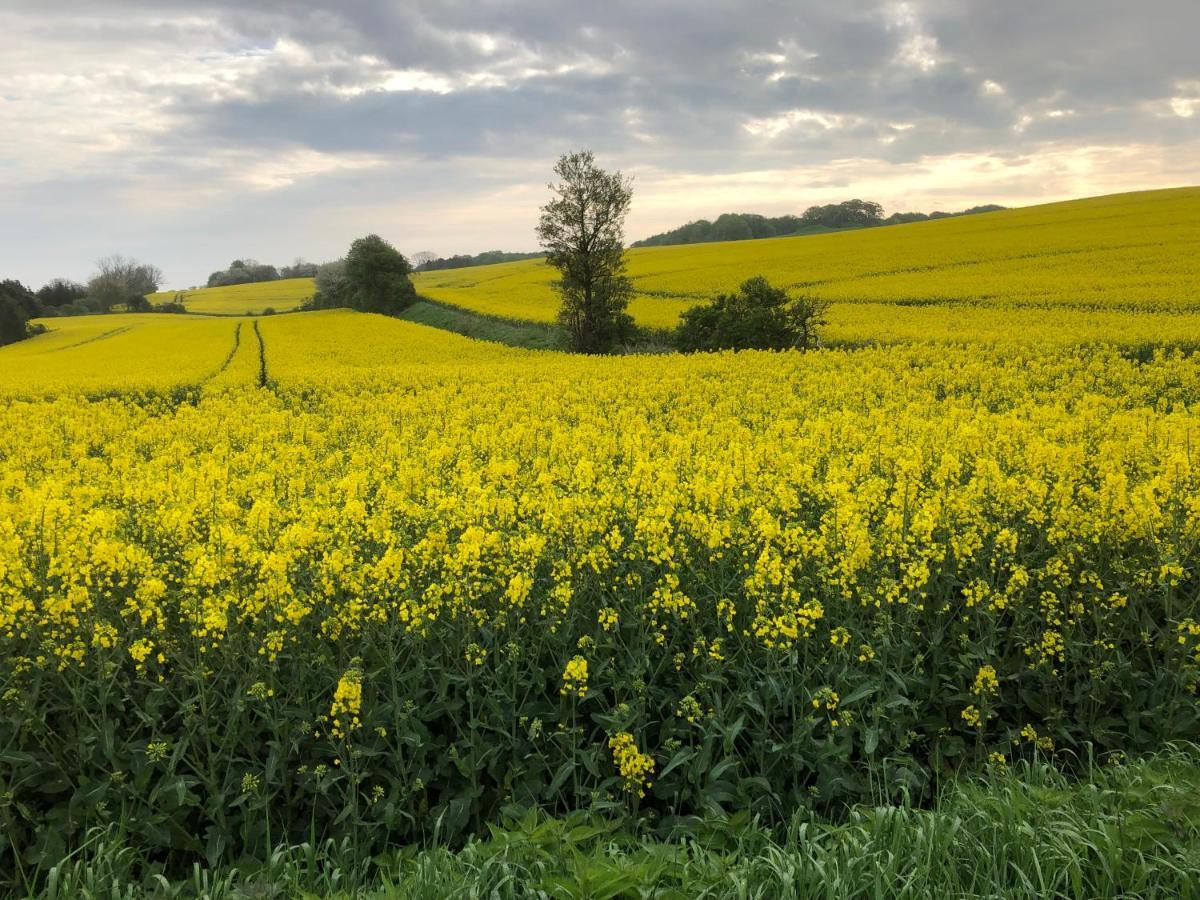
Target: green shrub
(756,317)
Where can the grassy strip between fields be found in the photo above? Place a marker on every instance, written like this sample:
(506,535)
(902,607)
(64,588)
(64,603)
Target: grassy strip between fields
(513,332)
(1123,830)
(516,332)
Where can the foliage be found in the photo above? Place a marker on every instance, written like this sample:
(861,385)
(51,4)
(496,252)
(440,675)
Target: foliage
(728,226)
(372,278)
(60,292)
(17,306)
(1131,253)
(22,297)
(300,268)
(460,261)
(757,317)
(250,271)
(14,321)
(816,220)
(797,580)
(377,276)
(243,271)
(1125,830)
(581,228)
(122,282)
(332,290)
(514,333)
(848,214)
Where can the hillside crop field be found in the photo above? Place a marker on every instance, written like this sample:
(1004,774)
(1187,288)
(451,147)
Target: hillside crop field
(124,353)
(336,576)
(1124,255)
(244,299)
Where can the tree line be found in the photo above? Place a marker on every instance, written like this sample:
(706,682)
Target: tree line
(814,220)
(428,261)
(251,271)
(118,283)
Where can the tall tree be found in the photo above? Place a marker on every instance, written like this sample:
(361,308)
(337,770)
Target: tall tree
(582,230)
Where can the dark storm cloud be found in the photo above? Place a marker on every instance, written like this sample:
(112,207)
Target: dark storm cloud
(161,106)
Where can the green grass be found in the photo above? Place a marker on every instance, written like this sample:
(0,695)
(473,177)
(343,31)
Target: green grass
(514,333)
(1129,830)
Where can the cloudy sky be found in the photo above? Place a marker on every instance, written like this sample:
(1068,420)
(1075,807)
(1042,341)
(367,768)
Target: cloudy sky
(189,132)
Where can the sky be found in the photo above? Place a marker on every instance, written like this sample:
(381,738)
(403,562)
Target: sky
(187,133)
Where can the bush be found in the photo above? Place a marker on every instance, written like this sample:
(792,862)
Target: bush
(377,274)
(757,317)
(373,277)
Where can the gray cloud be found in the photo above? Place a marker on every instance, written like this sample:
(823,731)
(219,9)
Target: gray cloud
(194,130)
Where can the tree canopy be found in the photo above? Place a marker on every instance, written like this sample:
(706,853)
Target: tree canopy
(815,220)
(373,277)
(427,261)
(582,230)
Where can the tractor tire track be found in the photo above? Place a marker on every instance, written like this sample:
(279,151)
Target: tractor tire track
(262,358)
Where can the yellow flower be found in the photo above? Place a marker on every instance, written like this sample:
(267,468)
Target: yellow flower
(986,681)
(634,766)
(347,704)
(475,654)
(575,678)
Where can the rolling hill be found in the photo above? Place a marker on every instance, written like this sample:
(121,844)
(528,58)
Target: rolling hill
(243,299)
(1114,255)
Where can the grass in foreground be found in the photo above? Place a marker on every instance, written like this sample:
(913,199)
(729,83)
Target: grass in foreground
(1123,830)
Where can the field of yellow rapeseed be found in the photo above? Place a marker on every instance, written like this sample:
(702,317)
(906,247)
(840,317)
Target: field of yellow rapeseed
(331,568)
(117,354)
(1133,252)
(243,299)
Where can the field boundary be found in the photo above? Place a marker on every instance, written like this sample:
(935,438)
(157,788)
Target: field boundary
(520,333)
(483,326)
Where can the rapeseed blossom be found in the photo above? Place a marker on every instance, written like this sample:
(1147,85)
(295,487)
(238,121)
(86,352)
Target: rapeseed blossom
(346,710)
(683,541)
(634,767)
(575,678)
